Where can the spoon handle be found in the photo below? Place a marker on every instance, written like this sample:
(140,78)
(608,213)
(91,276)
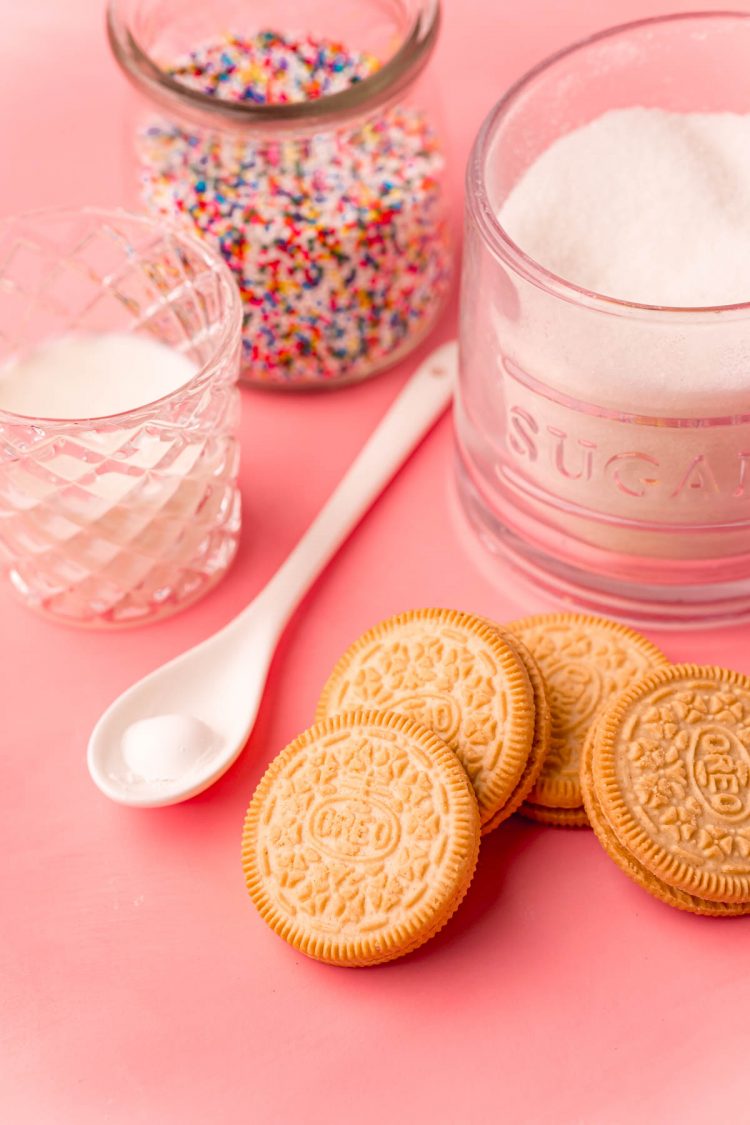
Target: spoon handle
(419,405)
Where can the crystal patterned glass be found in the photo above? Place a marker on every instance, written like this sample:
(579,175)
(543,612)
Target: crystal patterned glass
(119,520)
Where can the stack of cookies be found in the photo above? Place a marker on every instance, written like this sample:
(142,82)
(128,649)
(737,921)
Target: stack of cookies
(363,835)
(435,726)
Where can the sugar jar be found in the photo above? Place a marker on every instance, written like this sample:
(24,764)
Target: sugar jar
(604,441)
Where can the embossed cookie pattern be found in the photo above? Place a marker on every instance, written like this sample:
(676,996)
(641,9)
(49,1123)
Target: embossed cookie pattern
(586,661)
(627,862)
(673,777)
(454,674)
(361,839)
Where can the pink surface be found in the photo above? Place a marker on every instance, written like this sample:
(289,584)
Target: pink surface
(137,984)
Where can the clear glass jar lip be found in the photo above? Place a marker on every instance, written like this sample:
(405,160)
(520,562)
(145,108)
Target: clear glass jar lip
(229,337)
(511,252)
(395,75)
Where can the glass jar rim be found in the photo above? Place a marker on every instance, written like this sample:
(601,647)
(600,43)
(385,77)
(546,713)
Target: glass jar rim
(395,75)
(229,336)
(478,200)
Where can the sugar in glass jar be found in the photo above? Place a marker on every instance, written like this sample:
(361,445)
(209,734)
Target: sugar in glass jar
(604,444)
(300,138)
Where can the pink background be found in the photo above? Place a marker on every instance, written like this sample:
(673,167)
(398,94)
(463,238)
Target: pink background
(137,984)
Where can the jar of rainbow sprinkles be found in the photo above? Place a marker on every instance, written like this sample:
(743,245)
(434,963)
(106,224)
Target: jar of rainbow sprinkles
(299,138)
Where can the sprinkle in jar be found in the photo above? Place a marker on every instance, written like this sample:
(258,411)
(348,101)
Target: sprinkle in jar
(312,164)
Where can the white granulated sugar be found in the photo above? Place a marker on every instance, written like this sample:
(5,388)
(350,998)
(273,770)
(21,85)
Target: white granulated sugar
(642,205)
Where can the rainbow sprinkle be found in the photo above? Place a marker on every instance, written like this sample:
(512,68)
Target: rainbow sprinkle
(338,240)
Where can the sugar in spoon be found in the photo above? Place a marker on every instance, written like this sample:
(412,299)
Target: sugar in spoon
(174,733)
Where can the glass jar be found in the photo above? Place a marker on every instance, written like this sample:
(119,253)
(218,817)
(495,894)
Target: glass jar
(329,206)
(123,519)
(608,496)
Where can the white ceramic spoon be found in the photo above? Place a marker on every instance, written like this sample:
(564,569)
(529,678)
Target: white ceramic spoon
(194,715)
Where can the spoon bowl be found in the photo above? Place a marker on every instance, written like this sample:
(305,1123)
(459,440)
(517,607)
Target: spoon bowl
(219,683)
(176,731)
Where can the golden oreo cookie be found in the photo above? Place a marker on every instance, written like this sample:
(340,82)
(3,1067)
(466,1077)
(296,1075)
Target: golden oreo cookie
(361,839)
(453,673)
(666,783)
(629,865)
(585,661)
(541,738)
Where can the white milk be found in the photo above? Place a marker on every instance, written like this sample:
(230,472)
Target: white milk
(92,376)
